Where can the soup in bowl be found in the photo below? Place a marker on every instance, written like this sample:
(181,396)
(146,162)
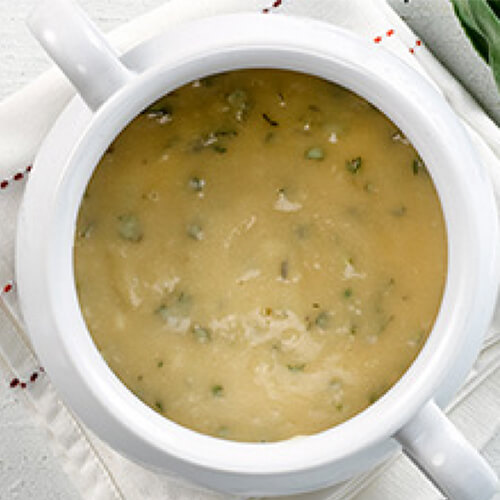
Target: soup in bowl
(260,254)
(230,263)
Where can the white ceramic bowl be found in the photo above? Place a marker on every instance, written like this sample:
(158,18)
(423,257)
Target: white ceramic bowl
(111,93)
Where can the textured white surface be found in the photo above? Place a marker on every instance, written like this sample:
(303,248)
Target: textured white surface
(28,467)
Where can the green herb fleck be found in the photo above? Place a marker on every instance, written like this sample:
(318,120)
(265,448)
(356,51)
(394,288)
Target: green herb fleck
(196,184)
(237,98)
(219,149)
(239,101)
(163,312)
(159,406)
(159,109)
(322,320)
(315,153)
(269,120)
(225,132)
(159,364)
(418,166)
(207,81)
(347,293)
(202,335)
(284,269)
(217,390)
(129,228)
(195,231)
(399,211)
(296,368)
(354,165)
(86,232)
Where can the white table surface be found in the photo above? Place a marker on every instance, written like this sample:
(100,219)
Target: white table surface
(28,467)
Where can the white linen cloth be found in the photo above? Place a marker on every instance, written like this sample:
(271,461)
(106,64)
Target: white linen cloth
(97,471)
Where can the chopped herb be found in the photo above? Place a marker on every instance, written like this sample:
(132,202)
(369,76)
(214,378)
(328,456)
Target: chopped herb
(226,132)
(322,320)
(202,335)
(315,153)
(194,231)
(207,81)
(354,165)
(237,98)
(196,184)
(336,384)
(347,292)
(269,120)
(163,311)
(284,269)
(110,150)
(86,231)
(219,149)
(353,330)
(339,407)
(217,391)
(418,166)
(399,137)
(399,211)
(160,364)
(129,228)
(296,368)
(239,101)
(159,406)
(159,109)
(267,311)
(369,187)
(139,378)
(315,305)
(178,305)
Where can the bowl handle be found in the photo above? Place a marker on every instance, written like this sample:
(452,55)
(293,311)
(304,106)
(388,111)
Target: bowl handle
(79,49)
(446,457)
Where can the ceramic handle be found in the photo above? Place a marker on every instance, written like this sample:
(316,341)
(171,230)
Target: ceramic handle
(446,457)
(79,49)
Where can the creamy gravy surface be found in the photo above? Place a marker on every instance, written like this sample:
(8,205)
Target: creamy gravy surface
(260,254)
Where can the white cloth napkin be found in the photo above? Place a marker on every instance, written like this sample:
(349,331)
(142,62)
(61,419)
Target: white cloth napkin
(97,471)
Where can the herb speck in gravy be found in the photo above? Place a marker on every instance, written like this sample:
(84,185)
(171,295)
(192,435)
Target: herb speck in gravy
(195,232)
(129,228)
(315,153)
(354,165)
(217,390)
(196,184)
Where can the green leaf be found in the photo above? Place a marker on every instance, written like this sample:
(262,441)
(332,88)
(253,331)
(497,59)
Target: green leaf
(480,19)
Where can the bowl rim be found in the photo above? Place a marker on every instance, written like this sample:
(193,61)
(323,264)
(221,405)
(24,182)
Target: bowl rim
(371,72)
